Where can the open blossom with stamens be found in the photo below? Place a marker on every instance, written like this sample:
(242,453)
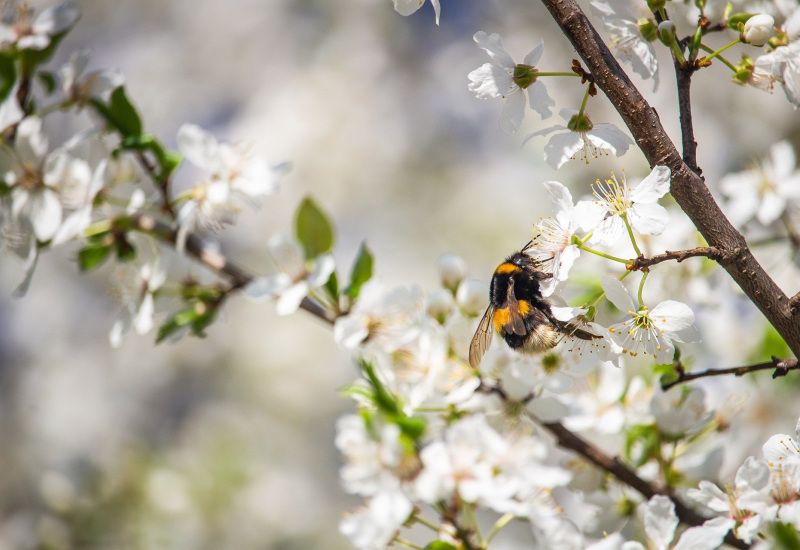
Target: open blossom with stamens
(582,356)
(581,135)
(650,331)
(752,477)
(637,202)
(28,33)
(660,523)
(407,7)
(234,175)
(503,78)
(632,29)
(763,191)
(553,244)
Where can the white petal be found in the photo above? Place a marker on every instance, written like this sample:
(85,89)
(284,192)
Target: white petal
(534,55)
(540,100)
(780,450)
(513,112)
(588,216)
(672,316)
(10,110)
(57,19)
(562,147)
(653,187)
(649,218)
(490,81)
(770,208)
(609,137)
(291,297)
(753,474)
(267,287)
(660,521)
(493,45)
(45,214)
(30,143)
(617,294)
(200,147)
(705,537)
(407,7)
(322,271)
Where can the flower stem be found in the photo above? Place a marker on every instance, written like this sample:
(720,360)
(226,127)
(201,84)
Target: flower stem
(604,255)
(719,51)
(407,543)
(504,520)
(641,286)
(624,217)
(426,522)
(585,100)
(730,65)
(556,74)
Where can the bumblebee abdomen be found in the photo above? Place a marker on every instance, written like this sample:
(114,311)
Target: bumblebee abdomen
(540,338)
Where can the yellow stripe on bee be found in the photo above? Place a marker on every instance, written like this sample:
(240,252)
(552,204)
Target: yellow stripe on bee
(506,267)
(524,307)
(501,318)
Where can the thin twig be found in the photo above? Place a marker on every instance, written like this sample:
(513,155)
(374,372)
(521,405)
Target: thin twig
(209,255)
(781,367)
(711,252)
(683,76)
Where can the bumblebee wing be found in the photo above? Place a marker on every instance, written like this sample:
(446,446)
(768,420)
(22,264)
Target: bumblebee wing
(482,339)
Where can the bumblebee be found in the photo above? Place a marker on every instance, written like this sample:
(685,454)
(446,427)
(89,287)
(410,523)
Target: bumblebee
(519,312)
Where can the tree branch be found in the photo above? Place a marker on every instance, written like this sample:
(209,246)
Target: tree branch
(781,366)
(642,263)
(687,187)
(683,76)
(211,257)
(568,440)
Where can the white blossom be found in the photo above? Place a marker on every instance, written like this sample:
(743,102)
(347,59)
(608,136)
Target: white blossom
(759,29)
(785,59)
(139,308)
(505,79)
(35,34)
(632,29)
(78,87)
(581,135)
(637,202)
(553,245)
(763,191)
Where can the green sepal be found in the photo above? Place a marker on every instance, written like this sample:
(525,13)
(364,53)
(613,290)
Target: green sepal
(361,273)
(92,256)
(440,545)
(737,21)
(313,229)
(8,75)
(119,113)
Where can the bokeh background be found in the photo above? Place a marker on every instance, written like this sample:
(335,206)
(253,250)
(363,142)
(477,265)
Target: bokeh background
(227,442)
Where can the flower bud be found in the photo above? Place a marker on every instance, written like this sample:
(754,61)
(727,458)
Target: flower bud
(758,29)
(472,296)
(666,32)
(440,305)
(452,270)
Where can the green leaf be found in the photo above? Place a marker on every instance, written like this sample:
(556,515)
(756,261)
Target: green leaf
(8,75)
(313,229)
(440,545)
(32,58)
(361,273)
(384,400)
(90,257)
(412,426)
(332,287)
(48,81)
(119,113)
(786,537)
(645,439)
